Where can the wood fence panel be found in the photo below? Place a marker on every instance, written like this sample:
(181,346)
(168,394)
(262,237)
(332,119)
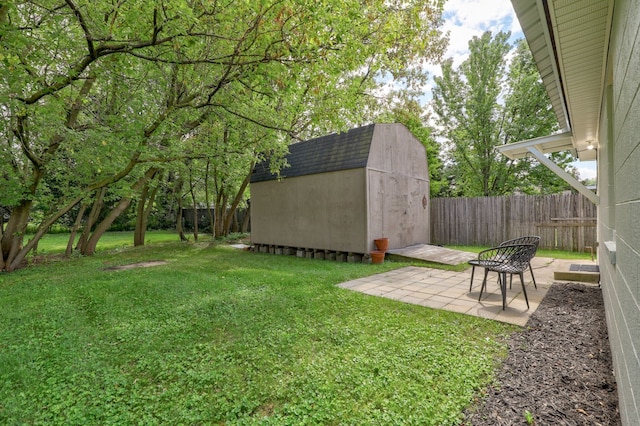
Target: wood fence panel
(564,221)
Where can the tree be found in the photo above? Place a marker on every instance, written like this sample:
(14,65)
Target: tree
(96,94)
(484,104)
(529,114)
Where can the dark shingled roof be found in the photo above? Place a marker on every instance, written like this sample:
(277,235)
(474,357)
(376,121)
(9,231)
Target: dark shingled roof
(338,151)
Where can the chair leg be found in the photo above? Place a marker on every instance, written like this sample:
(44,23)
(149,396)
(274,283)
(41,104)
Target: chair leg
(532,277)
(524,290)
(503,289)
(484,283)
(473,270)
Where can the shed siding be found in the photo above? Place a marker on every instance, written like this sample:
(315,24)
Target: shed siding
(619,212)
(395,149)
(398,184)
(321,211)
(396,210)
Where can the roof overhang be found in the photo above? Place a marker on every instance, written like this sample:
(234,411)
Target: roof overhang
(545,144)
(569,41)
(538,147)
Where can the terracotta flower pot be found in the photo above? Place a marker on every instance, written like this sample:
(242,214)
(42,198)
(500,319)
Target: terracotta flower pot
(377,256)
(382,244)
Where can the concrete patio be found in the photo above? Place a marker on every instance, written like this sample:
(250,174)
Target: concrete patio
(439,289)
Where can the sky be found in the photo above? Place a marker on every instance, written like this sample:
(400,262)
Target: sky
(464,19)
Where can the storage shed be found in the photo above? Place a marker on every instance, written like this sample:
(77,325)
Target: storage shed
(344,190)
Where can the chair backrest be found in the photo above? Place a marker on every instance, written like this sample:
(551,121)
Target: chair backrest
(521,255)
(512,257)
(527,239)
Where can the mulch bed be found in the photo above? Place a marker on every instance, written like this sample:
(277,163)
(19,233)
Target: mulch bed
(558,369)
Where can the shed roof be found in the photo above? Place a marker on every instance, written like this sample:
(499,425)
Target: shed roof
(330,153)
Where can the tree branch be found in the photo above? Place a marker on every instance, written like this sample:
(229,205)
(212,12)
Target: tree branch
(74,111)
(76,71)
(251,120)
(85,28)
(20,134)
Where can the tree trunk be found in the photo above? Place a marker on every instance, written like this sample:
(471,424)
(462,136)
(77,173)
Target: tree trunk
(13,235)
(195,209)
(216,212)
(1,224)
(234,205)
(138,233)
(179,210)
(98,203)
(206,200)
(42,229)
(235,226)
(144,209)
(74,230)
(221,206)
(90,247)
(179,227)
(247,218)
(148,210)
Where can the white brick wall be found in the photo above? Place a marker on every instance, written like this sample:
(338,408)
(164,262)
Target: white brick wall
(619,212)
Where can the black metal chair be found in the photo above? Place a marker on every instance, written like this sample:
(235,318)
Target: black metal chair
(505,259)
(486,259)
(527,239)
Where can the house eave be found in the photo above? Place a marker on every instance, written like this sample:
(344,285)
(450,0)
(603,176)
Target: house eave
(569,42)
(538,147)
(545,144)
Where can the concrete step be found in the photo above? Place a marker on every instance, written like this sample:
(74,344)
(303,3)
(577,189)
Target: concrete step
(578,272)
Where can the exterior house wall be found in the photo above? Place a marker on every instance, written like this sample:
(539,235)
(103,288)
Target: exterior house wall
(619,211)
(398,188)
(321,211)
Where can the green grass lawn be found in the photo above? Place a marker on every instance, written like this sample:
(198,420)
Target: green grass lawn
(57,243)
(556,254)
(223,336)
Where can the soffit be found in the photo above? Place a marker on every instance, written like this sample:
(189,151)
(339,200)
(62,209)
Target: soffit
(545,144)
(569,42)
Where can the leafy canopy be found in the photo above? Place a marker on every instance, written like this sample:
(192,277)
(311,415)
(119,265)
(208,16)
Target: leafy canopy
(98,94)
(487,102)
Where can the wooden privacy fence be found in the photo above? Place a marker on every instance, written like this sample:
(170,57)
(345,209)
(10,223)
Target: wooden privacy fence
(564,221)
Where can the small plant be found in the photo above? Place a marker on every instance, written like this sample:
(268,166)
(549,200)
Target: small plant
(529,417)
(234,237)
